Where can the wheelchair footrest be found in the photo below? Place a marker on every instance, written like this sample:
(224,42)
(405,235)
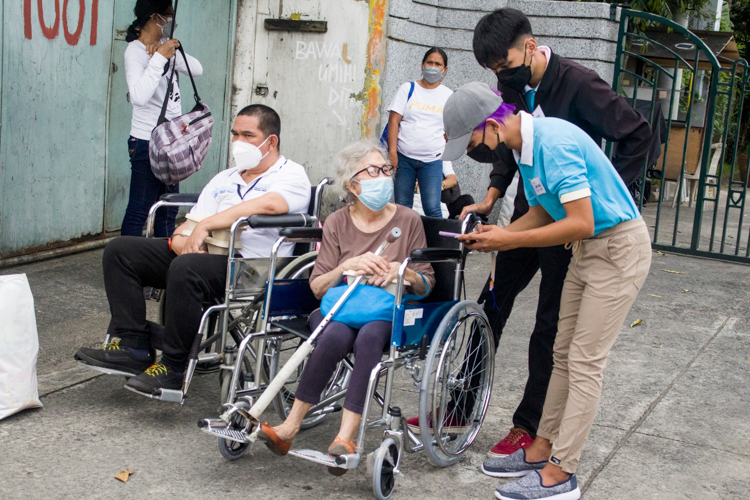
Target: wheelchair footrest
(217,427)
(342,462)
(165,395)
(107,371)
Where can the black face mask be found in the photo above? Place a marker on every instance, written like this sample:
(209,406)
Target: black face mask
(482,152)
(516,78)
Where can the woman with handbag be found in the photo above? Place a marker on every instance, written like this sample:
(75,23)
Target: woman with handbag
(350,236)
(415,134)
(148,60)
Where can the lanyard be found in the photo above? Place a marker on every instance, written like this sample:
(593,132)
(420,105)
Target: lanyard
(242,196)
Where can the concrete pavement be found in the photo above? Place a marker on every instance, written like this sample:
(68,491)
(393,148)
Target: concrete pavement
(673,421)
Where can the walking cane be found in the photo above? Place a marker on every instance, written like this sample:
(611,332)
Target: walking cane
(299,356)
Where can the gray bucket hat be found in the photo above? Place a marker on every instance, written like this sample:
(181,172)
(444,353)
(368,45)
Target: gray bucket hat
(464,111)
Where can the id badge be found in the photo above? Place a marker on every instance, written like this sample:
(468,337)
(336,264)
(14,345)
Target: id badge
(538,187)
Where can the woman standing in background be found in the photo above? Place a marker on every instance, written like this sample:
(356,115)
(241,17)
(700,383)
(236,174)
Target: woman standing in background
(148,64)
(415,134)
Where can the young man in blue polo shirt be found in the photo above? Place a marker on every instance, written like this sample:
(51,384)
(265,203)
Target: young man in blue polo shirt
(575,198)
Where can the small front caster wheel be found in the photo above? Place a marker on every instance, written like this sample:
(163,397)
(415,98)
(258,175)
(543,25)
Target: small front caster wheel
(383,472)
(232,450)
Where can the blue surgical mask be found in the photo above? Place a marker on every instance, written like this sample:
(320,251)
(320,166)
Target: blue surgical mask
(376,193)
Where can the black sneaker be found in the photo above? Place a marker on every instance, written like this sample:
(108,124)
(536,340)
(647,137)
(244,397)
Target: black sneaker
(114,357)
(156,378)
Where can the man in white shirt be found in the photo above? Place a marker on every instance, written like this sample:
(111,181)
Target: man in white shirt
(264,182)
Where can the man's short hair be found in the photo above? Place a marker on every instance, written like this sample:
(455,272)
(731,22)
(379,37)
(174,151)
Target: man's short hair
(497,32)
(269,121)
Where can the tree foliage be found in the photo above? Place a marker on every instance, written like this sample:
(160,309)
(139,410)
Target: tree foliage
(740,17)
(665,8)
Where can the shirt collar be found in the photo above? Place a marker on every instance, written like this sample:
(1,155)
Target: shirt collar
(526,156)
(236,175)
(547,54)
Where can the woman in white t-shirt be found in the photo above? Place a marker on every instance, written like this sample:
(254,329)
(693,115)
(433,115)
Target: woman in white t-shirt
(148,63)
(416,136)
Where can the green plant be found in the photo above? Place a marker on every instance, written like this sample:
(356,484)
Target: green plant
(666,8)
(740,19)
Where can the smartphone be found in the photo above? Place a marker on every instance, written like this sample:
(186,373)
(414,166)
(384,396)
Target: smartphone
(447,234)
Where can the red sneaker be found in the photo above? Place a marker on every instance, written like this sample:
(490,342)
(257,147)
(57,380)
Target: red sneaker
(514,441)
(452,423)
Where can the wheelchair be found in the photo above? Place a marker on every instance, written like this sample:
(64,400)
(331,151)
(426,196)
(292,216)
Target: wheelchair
(228,322)
(444,343)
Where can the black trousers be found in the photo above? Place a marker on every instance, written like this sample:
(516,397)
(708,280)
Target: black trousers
(514,269)
(455,207)
(131,263)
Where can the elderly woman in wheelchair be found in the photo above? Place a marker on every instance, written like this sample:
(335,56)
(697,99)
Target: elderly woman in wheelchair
(350,236)
(443,343)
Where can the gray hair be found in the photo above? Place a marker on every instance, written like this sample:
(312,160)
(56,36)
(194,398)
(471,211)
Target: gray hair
(348,161)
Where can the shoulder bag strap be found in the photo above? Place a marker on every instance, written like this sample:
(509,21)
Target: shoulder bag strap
(163,114)
(190,74)
(408,98)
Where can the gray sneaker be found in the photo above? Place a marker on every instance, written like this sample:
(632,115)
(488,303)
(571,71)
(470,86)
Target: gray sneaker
(514,465)
(530,487)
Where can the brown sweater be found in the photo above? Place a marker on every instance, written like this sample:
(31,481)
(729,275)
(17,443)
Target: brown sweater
(342,240)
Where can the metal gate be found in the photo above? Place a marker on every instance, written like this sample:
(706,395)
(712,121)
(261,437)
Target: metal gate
(697,98)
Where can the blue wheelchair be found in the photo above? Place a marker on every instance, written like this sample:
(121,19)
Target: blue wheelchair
(444,343)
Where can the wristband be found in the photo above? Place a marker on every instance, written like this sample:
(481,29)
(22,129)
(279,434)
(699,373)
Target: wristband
(170,244)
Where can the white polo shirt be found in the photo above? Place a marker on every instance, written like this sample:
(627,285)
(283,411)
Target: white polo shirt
(227,189)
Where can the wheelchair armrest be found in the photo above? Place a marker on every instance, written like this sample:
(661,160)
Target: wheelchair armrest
(302,234)
(180,197)
(286,220)
(435,255)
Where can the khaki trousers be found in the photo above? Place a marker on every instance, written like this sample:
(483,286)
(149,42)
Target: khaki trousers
(603,280)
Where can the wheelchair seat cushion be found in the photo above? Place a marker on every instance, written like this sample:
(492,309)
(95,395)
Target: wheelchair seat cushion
(297,326)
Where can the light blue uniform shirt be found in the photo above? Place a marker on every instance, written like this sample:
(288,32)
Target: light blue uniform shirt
(560,163)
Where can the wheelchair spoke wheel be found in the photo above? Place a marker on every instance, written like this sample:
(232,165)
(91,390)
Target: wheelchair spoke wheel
(384,469)
(457,383)
(301,267)
(285,398)
(232,450)
(246,374)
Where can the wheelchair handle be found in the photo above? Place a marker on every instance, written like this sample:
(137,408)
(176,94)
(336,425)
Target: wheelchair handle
(306,347)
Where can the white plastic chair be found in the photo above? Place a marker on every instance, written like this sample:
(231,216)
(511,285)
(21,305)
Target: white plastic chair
(690,182)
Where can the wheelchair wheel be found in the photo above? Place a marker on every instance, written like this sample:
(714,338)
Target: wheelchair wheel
(246,375)
(383,471)
(232,450)
(298,268)
(285,398)
(457,383)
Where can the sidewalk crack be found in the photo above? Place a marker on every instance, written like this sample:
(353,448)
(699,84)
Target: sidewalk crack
(697,445)
(655,402)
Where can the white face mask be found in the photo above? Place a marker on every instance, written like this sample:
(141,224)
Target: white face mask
(247,156)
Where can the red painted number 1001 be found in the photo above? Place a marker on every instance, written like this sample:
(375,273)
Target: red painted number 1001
(51,32)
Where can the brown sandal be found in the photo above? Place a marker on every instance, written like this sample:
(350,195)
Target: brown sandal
(337,448)
(273,441)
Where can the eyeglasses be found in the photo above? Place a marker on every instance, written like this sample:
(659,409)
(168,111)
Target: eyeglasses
(375,171)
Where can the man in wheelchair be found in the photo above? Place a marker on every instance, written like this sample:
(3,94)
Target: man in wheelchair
(263,182)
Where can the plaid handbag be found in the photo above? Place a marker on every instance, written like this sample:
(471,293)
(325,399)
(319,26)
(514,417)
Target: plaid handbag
(178,146)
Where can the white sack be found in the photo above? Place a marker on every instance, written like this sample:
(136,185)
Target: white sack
(19,346)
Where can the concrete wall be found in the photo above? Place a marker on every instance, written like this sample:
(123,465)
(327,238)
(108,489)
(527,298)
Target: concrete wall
(580,31)
(324,85)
